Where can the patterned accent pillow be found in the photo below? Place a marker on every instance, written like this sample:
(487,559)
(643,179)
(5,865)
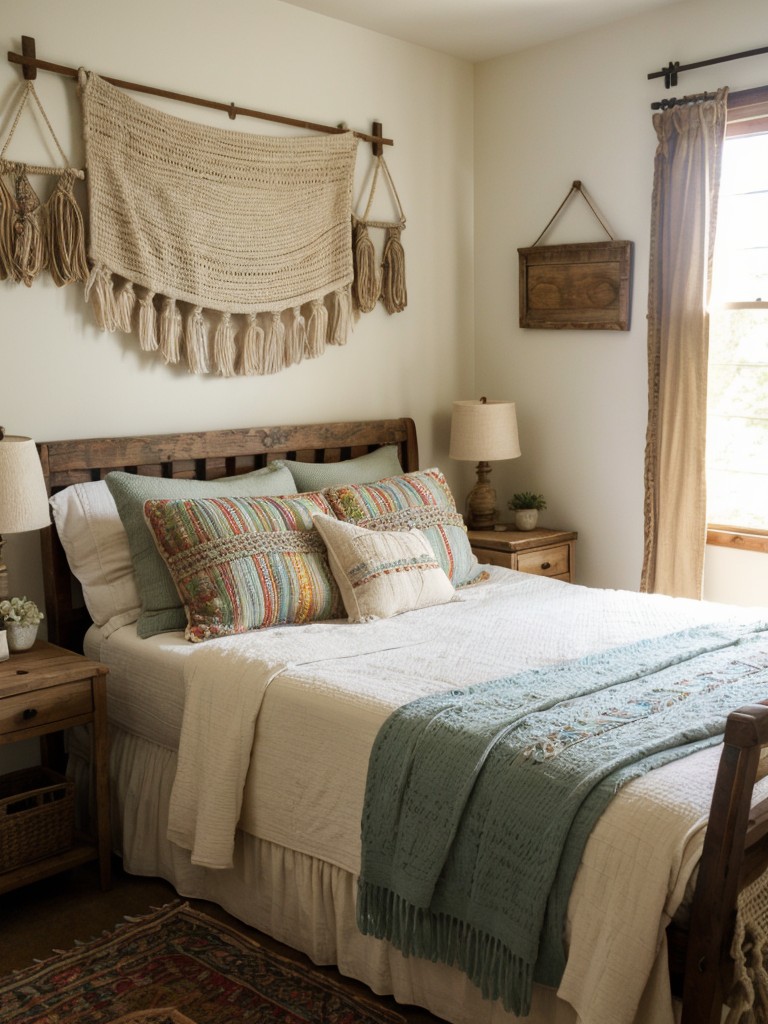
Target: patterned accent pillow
(245,563)
(382,572)
(161,609)
(422,500)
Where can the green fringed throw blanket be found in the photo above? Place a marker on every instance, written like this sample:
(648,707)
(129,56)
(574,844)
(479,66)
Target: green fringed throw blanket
(230,249)
(479,801)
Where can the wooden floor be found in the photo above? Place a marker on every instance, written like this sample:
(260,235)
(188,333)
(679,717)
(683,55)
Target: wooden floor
(55,913)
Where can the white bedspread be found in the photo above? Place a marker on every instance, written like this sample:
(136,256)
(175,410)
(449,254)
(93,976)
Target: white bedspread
(278,727)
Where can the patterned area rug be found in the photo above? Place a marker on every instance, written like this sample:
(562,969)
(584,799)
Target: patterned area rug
(178,966)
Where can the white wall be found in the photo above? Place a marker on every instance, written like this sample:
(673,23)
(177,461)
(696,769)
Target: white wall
(60,377)
(580,109)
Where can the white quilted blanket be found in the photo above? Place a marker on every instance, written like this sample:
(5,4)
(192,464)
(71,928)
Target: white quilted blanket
(278,727)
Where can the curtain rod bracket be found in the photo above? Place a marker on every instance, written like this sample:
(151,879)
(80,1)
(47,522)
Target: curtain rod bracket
(232,112)
(670,74)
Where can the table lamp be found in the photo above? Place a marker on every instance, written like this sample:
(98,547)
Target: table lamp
(23,497)
(483,431)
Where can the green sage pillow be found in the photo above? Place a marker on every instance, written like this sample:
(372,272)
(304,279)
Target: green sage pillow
(246,563)
(161,608)
(314,476)
(422,500)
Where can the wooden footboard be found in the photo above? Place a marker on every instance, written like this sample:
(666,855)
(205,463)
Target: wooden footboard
(735,853)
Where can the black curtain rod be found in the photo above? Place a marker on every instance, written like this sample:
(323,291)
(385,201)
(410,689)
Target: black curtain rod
(670,73)
(735,99)
(667,104)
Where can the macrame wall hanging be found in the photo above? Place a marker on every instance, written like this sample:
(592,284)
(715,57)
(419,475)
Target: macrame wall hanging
(227,249)
(387,281)
(36,235)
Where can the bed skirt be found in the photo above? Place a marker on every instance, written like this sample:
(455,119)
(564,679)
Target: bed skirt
(304,902)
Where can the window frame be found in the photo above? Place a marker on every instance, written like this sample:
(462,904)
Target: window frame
(747,115)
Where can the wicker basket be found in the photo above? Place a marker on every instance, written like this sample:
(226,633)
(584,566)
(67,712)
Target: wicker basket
(37,816)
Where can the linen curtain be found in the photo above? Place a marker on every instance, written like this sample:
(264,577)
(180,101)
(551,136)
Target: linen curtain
(684,215)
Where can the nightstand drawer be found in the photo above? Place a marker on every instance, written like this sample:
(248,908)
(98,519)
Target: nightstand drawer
(552,561)
(44,707)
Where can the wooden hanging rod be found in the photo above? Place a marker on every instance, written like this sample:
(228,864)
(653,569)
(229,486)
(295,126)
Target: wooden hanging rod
(673,69)
(31,64)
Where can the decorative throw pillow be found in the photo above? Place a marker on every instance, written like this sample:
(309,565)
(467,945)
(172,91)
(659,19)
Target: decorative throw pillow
(96,546)
(382,573)
(314,476)
(422,500)
(161,608)
(244,563)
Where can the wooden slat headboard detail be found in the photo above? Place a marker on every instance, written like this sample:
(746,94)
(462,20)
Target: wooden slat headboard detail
(207,455)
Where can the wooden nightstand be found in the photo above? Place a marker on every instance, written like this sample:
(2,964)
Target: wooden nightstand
(42,691)
(543,552)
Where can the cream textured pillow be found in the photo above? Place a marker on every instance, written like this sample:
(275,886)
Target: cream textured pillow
(96,545)
(382,573)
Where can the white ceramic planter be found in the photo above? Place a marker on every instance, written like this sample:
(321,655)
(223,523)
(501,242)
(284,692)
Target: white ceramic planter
(526,518)
(20,638)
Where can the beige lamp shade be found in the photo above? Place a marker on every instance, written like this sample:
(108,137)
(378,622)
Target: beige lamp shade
(483,430)
(23,497)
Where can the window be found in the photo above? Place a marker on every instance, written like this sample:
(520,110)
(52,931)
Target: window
(737,413)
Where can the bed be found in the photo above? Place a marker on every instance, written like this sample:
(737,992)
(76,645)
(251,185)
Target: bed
(315,713)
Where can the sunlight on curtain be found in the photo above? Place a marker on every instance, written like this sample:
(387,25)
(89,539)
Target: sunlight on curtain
(684,213)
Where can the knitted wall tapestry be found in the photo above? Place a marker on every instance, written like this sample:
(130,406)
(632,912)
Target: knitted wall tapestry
(230,249)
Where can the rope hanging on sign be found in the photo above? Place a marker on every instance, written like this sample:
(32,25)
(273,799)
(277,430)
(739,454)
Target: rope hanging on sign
(35,235)
(575,187)
(386,282)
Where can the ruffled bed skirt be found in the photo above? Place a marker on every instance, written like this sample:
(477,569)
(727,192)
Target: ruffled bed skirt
(306,903)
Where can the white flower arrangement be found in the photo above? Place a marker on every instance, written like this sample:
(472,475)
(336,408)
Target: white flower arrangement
(21,610)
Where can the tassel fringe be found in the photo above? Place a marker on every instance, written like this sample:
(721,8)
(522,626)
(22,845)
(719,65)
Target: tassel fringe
(196,341)
(367,286)
(7,207)
(169,331)
(98,291)
(148,323)
(66,234)
(251,344)
(274,345)
(252,361)
(224,347)
(317,329)
(393,290)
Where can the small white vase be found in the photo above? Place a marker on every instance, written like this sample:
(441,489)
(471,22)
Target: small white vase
(526,518)
(20,637)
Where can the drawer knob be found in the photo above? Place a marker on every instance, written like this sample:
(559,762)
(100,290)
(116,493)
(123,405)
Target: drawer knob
(28,713)
(546,565)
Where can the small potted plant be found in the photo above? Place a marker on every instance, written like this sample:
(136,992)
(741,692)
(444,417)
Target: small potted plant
(526,505)
(21,617)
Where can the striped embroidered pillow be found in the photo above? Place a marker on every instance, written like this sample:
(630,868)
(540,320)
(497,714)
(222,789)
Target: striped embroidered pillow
(245,563)
(422,500)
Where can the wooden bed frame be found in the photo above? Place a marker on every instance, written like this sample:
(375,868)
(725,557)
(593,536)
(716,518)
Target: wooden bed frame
(736,842)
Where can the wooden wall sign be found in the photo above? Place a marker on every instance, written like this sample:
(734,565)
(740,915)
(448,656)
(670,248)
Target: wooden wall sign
(582,286)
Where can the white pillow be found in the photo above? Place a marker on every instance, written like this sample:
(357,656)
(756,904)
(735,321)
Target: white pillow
(96,546)
(381,573)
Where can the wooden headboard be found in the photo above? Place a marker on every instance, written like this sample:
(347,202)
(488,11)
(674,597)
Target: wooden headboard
(200,456)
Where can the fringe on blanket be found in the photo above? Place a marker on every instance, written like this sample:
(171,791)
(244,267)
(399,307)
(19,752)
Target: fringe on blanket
(748,998)
(228,344)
